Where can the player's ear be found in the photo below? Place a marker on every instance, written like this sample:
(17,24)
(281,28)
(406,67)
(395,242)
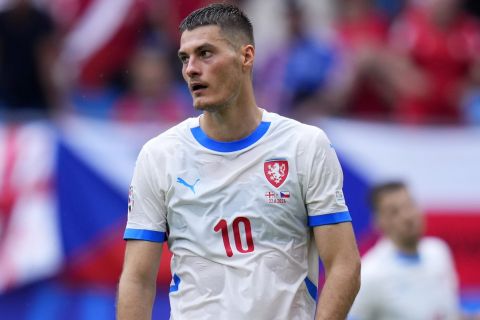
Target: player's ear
(248,56)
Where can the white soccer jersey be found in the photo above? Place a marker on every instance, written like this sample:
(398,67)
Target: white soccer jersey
(400,287)
(238,216)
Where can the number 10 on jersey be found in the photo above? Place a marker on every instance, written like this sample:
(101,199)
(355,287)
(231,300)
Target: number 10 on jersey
(222,226)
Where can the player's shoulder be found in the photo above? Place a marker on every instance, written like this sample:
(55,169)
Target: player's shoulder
(378,255)
(375,264)
(434,246)
(169,140)
(302,130)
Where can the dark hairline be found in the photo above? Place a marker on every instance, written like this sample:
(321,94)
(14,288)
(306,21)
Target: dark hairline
(232,22)
(226,37)
(378,191)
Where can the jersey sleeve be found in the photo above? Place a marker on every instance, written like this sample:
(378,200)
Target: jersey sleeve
(146,204)
(324,197)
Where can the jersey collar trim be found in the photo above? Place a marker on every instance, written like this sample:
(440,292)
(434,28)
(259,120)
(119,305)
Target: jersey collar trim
(230,146)
(413,258)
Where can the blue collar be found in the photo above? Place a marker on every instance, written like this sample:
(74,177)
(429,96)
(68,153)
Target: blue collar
(230,146)
(410,258)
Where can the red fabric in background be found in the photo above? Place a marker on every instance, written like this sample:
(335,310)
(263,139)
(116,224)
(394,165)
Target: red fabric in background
(102,264)
(444,57)
(116,53)
(461,230)
(368,31)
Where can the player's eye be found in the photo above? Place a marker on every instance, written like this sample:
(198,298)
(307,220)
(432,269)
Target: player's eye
(205,53)
(183,59)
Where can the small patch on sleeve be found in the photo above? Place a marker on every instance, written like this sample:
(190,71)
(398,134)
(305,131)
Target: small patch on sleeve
(131,201)
(339,197)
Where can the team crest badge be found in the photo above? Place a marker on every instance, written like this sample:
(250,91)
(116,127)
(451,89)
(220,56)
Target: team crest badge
(276,171)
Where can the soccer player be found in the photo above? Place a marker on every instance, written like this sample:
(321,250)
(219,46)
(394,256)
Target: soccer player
(247,200)
(405,275)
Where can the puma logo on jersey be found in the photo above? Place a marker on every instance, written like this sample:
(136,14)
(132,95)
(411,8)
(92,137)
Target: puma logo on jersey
(186,184)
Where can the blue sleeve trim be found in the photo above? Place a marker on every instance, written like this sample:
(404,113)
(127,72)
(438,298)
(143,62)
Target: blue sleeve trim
(331,218)
(312,288)
(148,235)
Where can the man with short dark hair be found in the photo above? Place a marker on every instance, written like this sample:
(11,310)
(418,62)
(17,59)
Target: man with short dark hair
(247,199)
(405,275)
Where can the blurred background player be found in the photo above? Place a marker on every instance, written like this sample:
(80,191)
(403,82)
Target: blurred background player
(438,44)
(298,70)
(405,275)
(152,93)
(27,54)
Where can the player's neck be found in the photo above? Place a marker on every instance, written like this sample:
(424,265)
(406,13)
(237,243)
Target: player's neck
(233,122)
(411,249)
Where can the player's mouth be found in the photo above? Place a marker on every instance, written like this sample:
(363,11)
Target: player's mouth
(197,88)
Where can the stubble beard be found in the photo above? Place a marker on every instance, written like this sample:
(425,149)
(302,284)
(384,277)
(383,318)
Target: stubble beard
(410,241)
(210,107)
(216,107)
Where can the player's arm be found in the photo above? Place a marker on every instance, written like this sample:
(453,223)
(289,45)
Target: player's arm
(338,250)
(145,234)
(137,287)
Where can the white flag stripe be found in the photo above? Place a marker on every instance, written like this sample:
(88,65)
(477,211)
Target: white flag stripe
(94,29)
(439,163)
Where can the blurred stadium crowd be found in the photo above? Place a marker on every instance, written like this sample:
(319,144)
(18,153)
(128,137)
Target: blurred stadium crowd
(405,61)
(112,66)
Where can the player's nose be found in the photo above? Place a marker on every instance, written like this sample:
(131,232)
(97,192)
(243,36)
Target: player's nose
(410,215)
(192,68)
